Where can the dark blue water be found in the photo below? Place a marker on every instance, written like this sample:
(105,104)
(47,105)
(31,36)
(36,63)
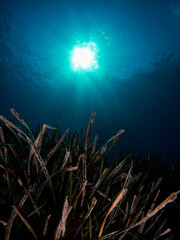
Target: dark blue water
(137,85)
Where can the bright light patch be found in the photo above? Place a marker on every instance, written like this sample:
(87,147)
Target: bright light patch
(85,57)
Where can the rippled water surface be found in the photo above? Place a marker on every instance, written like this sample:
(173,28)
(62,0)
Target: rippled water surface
(136,86)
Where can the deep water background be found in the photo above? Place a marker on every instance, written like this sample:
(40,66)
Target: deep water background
(137,86)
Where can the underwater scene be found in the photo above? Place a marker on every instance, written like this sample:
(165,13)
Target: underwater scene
(89,119)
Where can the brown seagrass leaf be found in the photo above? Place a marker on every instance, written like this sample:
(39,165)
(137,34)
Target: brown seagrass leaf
(3,141)
(160,229)
(99,181)
(129,176)
(94,145)
(115,136)
(46,225)
(89,130)
(90,209)
(55,147)
(38,141)
(2,135)
(61,228)
(4,223)
(116,201)
(171,198)
(71,169)
(13,151)
(164,233)
(22,122)
(42,165)
(141,228)
(104,148)
(154,221)
(118,167)
(134,204)
(66,157)
(14,213)
(33,147)
(100,153)
(25,221)
(104,195)
(82,188)
(85,181)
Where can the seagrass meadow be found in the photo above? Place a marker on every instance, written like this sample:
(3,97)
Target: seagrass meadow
(62,186)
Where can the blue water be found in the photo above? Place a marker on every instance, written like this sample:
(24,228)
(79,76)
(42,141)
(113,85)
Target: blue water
(137,85)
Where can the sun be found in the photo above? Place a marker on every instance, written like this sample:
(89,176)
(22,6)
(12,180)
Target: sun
(84,57)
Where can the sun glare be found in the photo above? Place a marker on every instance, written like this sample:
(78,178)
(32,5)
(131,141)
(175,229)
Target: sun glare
(84,57)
